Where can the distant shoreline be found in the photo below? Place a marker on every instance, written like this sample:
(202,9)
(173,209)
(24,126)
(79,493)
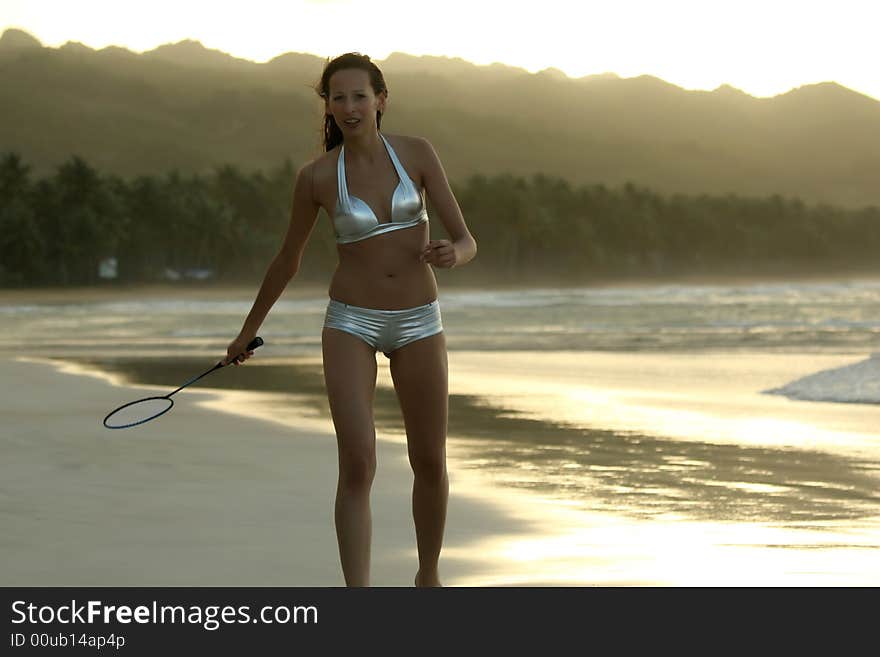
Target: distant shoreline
(310,289)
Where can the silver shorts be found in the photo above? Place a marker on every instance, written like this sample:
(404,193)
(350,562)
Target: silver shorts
(385,330)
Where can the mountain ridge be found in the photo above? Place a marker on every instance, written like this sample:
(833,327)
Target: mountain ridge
(186,106)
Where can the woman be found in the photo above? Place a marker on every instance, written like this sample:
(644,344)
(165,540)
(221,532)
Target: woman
(383,296)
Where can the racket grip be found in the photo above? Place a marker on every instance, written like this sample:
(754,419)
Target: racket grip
(253,344)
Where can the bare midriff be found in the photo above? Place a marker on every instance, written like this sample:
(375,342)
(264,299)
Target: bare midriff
(385,271)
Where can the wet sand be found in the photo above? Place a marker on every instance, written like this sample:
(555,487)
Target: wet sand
(565,469)
(199,497)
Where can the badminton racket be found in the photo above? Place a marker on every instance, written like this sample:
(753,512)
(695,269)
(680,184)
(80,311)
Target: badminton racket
(149,408)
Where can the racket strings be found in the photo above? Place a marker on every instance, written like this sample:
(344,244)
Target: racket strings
(137,412)
(149,408)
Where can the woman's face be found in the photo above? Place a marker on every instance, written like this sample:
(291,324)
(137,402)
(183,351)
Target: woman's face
(352,101)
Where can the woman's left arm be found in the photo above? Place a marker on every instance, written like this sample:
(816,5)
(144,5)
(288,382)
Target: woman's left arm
(463,247)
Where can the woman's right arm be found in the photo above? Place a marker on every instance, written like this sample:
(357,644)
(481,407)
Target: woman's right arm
(284,266)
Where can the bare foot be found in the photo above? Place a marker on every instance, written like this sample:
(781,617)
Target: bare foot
(427,581)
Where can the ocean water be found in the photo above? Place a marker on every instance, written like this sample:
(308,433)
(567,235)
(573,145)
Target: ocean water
(664,429)
(841,317)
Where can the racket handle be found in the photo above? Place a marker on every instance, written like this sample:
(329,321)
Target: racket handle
(253,344)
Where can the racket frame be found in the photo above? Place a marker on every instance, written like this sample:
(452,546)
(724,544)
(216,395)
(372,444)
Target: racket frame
(256,342)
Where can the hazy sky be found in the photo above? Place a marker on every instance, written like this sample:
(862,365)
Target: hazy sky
(764,47)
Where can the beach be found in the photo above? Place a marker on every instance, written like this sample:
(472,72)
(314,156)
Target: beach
(200,497)
(634,467)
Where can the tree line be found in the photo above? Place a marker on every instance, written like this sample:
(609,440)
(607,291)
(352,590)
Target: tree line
(58,229)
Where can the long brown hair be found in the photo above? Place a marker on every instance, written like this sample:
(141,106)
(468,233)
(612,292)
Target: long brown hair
(332,132)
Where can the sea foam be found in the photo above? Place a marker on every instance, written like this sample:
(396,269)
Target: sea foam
(858,383)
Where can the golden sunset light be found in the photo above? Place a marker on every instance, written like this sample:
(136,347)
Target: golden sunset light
(463,293)
(764,48)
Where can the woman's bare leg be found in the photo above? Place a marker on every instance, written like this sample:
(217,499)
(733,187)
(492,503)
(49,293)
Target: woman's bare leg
(350,378)
(420,374)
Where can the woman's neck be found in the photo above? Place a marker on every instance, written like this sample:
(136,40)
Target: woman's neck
(366,148)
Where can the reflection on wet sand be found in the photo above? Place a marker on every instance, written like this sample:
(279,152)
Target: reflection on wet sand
(626,473)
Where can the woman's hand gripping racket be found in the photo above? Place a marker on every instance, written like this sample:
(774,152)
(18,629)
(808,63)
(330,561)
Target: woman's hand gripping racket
(149,408)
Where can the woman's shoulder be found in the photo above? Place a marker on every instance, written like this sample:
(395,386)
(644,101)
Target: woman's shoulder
(323,158)
(322,165)
(412,149)
(412,142)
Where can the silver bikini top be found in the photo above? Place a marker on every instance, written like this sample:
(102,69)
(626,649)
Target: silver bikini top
(354,220)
